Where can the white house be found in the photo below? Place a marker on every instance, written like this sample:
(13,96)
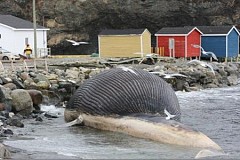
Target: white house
(15,33)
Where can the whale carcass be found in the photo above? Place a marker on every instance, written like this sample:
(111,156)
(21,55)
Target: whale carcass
(134,102)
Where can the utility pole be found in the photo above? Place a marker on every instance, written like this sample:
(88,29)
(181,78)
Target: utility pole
(35,29)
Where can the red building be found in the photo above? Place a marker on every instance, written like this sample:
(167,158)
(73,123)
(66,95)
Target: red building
(179,41)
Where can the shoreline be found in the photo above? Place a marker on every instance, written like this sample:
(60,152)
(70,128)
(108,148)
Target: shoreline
(64,76)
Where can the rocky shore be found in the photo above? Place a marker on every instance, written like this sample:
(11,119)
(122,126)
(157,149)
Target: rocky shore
(22,92)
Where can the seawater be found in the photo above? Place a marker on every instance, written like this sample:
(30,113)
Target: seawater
(215,112)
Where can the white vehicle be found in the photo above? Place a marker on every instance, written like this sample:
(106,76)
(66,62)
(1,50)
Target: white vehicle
(6,55)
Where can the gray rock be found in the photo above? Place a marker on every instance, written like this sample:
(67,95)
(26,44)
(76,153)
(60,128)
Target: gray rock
(22,102)
(6,80)
(15,122)
(18,83)
(6,98)
(33,74)
(232,79)
(50,115)
(43,85)
(68,86)
(230,70)
(41,77)
(39,119)
(1,82)
(24,76)
(211,85)
(8,132)
(52,77)
(11,86)
(37,98)
(72,74)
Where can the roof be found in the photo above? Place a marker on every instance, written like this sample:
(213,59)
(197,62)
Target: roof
(175,30)
(215,29)
(122,31)
(17,23)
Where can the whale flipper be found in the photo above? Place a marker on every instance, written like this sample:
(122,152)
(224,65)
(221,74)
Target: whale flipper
(77,121)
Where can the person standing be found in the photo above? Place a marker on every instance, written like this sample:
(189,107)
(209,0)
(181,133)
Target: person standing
(28,51)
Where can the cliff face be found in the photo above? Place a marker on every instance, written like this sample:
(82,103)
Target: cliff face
(82,20)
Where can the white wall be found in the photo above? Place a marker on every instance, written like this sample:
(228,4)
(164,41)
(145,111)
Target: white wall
(7,40)
(14,40)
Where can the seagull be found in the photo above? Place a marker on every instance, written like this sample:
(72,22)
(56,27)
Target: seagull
(211,54)
(173,75)
(205,52)
(126,69)
(202,64)
(74,43)
(169,116)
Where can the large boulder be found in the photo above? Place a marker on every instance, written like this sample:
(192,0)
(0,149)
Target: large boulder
(37,97)
(5,98)
(22,102)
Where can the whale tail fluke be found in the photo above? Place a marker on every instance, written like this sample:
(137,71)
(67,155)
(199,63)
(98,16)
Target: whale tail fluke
(203,154)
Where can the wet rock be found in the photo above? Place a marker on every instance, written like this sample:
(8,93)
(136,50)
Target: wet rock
(180,85)
(22,102)
(68,86)
(4,152)
(211,85)
(50,115)
(3,118)
(50,97)
(36,96)
(5,114)
(5,98)
(15,122)
(8,132)
(39,119)
(36,112)
(190,89)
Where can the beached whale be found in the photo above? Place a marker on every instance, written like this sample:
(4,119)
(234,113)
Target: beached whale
(134,102)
